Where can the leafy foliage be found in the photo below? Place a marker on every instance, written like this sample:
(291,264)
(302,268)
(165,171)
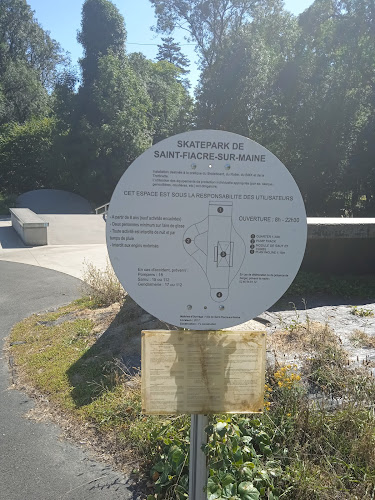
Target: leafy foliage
(241,465)
(207,23)
(171,108)
(108,126)
(102,31)
(28,63)
(22,146)
(301,86)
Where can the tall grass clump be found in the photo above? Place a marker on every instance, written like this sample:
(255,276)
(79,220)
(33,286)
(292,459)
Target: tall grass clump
(102,287)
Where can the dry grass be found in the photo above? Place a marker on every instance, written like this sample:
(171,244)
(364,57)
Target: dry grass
(104,288)
(303,338)
(363,339)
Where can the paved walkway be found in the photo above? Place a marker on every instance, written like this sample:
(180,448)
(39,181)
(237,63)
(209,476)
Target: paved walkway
(34,463)
(67,259)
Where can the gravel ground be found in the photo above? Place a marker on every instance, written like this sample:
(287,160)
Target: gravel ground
(334,312)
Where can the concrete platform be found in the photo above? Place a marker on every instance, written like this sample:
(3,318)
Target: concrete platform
(68,259)
(75,229)
(31,228)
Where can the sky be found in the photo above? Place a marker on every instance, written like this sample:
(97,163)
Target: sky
(62,18)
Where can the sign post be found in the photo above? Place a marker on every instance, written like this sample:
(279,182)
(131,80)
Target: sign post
(197,464)
(205,230)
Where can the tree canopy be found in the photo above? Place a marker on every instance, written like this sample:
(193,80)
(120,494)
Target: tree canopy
(170,51)
(303,86)
(28,63)
(206,22)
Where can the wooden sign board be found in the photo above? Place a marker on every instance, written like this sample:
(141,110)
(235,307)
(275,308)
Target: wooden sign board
(203,372)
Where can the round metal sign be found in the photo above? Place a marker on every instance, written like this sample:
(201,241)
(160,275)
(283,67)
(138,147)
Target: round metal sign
(206,229)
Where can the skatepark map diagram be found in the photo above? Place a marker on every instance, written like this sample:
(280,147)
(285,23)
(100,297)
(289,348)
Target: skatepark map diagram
(217,248)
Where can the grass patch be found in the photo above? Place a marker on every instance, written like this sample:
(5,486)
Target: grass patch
(47,351)
(62,355)
(315,441)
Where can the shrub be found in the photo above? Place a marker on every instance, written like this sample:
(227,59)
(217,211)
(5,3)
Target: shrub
(104,289)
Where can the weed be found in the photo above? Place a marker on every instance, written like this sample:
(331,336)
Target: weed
(363,339)
(104,286)
(241,460)
(306,337)
(170,473)
(361,311)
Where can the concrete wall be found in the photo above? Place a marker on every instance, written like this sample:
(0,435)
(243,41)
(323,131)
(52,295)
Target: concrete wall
(341,246)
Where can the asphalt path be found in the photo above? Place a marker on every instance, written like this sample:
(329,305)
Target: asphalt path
(35,463)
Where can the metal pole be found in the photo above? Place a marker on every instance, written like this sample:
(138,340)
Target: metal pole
(197,466)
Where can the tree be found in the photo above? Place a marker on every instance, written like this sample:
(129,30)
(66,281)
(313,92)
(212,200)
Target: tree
(102,32)
(324,95)
(25,155)
(171,110)
(206,22)
(306,91)
(64,98)
(357,35)
(170,51)
(22,95)
(238,86)
(28,63)
(109,126)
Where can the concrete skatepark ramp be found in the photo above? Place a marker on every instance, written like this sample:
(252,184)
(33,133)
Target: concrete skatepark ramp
(67,217)
(54,201)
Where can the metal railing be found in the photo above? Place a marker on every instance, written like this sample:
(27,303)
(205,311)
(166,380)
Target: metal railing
(102,210)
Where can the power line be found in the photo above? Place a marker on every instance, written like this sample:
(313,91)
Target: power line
(156,44)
